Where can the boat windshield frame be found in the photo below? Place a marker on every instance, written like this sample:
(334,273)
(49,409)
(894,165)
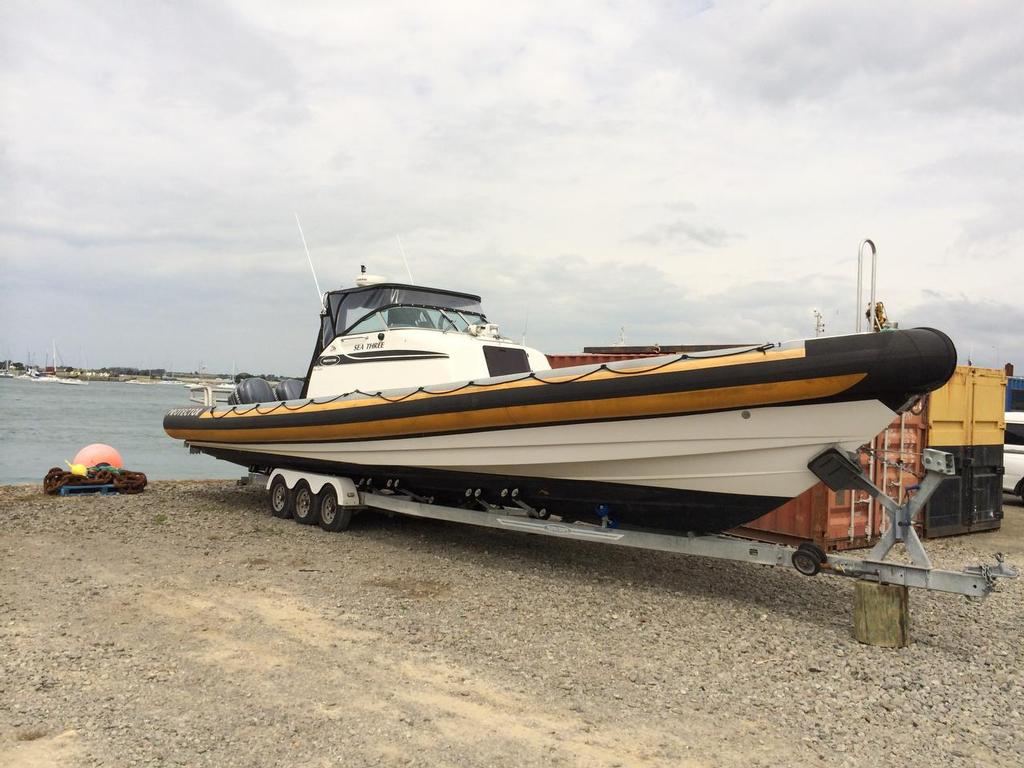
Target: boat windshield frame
(343,309)
(445,313)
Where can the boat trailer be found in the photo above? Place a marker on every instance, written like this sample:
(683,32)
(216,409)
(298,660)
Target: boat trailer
(834,467)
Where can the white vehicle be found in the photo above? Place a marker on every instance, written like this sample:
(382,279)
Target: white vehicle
(1013,462)
(1014,428)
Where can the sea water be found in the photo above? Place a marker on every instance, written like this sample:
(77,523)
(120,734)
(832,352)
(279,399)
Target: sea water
(44,424)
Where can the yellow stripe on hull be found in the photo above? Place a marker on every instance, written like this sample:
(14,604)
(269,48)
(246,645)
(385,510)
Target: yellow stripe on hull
(639,406)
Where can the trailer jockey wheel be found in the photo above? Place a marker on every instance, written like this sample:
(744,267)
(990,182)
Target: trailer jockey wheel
(280,499)
(808,559)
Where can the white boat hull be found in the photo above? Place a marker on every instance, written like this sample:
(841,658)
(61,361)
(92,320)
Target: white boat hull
(764,453)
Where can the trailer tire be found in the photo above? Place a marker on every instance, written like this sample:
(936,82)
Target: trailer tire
(281,500)
(330,515)
(304,504)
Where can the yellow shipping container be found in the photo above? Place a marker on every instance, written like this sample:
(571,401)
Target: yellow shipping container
(968,410)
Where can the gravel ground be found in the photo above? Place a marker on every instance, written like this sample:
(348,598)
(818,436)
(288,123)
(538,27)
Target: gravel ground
(186,626)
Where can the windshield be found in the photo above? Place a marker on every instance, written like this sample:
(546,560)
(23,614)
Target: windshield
(462,320)
(346,309)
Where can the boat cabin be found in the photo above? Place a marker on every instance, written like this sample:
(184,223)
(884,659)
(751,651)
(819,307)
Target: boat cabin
(381,336)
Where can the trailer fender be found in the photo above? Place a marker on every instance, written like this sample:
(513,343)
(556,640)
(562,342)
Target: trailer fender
(348,494)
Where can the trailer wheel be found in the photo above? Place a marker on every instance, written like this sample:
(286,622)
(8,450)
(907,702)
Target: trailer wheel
(329,514)
(808,558)
(304,504)
(281,501)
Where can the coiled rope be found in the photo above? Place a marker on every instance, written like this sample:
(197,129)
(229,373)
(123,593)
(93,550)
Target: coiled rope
(123,480)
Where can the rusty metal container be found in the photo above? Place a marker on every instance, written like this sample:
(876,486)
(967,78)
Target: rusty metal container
(595,355)
(572,360)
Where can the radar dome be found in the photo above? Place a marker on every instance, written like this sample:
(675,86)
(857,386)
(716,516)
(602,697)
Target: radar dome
(367,279)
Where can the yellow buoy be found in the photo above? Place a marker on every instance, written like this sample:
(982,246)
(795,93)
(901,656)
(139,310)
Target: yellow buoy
(77,469)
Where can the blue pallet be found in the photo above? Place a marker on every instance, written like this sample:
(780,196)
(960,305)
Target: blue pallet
(74,490)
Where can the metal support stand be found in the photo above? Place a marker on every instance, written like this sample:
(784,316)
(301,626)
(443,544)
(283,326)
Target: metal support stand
(901,525)
(839,472)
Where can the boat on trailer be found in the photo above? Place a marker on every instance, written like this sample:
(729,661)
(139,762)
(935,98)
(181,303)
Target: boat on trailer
(414,385)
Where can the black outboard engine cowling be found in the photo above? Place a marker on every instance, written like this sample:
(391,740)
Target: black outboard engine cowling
(289,389)
(253,390)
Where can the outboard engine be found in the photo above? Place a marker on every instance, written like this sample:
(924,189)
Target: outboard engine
(289,389)
(252,390)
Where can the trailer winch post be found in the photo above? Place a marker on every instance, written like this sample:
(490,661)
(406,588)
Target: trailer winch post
(839,472)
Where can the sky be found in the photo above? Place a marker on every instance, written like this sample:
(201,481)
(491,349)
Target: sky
(664,172)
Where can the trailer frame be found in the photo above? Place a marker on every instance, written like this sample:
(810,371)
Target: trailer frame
(833,466)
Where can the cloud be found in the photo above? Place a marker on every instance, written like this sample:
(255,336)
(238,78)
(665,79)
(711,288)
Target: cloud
(934,57)
(985,332)
(691,171)
(570,303)
(681,224)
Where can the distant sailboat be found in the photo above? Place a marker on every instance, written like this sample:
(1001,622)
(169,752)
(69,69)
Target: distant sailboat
(55,379)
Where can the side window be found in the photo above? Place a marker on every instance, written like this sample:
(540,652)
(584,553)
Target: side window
(326,331)
(505,360)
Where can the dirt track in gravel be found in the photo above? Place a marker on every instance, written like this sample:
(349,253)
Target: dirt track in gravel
(186,626)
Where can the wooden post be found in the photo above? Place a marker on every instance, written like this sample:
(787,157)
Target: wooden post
(881,614)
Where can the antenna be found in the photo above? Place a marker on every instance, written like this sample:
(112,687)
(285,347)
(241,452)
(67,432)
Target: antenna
(319,293)
(526,324)
(404,260)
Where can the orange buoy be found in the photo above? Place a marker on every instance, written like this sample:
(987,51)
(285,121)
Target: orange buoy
(98,453)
